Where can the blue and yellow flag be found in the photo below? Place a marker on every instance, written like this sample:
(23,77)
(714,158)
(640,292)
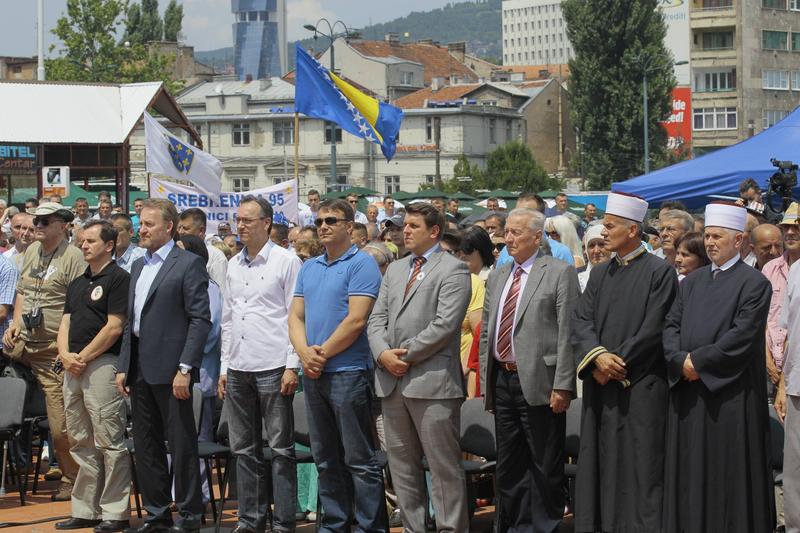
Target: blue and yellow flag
(320,93)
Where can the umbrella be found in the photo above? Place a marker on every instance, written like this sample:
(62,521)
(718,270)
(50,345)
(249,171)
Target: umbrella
(499,193)
(462,196)
(549,193)
(358,191)
(428,194)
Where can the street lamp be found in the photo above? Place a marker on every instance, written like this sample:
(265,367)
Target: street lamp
(648,65)
(331,37)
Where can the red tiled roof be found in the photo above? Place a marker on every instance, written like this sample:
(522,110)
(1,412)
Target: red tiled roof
(416,100)
(436,60)
(531,72)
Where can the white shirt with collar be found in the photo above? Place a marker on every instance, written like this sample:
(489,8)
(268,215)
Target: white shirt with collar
(360,217)
(255,311)
(726,265)
(523,279)
(152,264)
(217,265)
(790,320)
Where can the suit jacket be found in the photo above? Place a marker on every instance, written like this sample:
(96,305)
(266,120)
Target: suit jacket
(542,330)
(427,323)
(175,321)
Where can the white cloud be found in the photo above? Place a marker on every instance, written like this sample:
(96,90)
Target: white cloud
(301,12)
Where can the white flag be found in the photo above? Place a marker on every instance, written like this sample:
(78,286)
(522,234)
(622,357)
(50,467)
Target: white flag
(169,156)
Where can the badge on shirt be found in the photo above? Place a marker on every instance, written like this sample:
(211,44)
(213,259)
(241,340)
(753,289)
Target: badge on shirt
(97,293)
(420,276)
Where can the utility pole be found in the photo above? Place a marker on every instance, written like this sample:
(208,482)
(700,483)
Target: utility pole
(40,40)
(437,137)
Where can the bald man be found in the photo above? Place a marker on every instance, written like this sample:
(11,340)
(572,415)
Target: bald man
(767,243)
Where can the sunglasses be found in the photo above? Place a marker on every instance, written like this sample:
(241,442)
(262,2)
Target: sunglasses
(328,221)
(44,221)
(498,246)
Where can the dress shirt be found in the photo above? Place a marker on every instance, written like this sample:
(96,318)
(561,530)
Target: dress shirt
(361,218)
(152,264)
(751,260)
(8,289)
(726,265)
(523,279)
(790,320)
(255,311)
(217,265)
(125,261)
(777,272)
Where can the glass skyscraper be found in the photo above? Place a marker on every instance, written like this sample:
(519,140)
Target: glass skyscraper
(259,38)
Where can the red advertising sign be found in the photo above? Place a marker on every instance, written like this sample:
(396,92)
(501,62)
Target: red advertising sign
(679,123)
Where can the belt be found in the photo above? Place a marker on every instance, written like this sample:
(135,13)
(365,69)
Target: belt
(508,367)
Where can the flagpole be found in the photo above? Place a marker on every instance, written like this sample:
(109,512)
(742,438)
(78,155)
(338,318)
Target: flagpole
(296,147)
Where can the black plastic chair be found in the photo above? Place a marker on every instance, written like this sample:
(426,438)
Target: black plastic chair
(12,418)
(776,435)
(572,445)
(208,451)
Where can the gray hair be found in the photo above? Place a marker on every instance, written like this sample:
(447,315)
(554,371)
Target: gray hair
(535,218)
(379,252)
(683,216)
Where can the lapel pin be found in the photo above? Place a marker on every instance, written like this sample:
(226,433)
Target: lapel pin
(420,276)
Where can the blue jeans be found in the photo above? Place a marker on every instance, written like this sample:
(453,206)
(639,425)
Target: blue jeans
(340,426)
(255,401)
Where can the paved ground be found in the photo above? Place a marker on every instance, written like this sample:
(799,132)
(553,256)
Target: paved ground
(40,507)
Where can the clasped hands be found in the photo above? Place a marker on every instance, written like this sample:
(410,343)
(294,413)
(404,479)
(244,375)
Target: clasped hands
(313,360)
(689,373)
(608,367)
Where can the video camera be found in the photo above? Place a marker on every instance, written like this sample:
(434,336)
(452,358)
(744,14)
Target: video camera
(780,185)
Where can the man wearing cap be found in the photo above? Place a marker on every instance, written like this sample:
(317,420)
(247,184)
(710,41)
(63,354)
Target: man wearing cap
(617,343)
(47,268)
(718,475)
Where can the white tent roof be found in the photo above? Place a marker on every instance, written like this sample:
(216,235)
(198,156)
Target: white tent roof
(47,112)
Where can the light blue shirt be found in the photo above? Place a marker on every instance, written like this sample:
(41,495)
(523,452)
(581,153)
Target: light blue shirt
(152,264)
(131,254)
(557,250)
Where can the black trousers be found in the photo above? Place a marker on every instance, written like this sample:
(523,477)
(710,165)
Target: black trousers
(158,417)
(530,460)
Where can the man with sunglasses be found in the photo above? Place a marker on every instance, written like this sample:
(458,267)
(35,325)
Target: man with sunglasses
(332,302)
(352,199)
(47,268)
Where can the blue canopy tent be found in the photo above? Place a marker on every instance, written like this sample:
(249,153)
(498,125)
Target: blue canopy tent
(721,171)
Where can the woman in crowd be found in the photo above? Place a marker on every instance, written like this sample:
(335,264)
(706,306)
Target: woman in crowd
(691,254)
(476,251)
(596,252)
(560,228)
(498,243)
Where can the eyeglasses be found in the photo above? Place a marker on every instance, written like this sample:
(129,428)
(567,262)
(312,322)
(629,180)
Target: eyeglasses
(328,221)
(354,202)
(247,221)
(44,221)
(553,234)
(498,246)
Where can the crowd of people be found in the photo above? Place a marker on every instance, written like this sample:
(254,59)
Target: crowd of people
(676,333)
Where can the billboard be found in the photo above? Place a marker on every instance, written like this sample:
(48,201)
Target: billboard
(679,38)
(55,180)
(679,123)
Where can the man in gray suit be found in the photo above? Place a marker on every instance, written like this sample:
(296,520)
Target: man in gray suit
(528,374)
(414,334)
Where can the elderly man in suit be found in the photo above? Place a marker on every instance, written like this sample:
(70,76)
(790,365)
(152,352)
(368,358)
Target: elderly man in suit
(160,358)
(414,334)
(528,374)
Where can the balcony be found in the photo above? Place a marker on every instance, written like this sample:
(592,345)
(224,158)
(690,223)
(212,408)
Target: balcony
(713,57)
(709,15)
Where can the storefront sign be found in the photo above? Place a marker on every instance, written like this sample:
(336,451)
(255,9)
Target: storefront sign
(17,159)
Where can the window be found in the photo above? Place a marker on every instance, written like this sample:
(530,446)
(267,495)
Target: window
(406,78)
(252,16)
(429,129)
(282,132)
(263,16)
(772,117)
(241,184)
(774,40)
(715,118)
(16,69)
(242,17)
(328,133)
(280,179)
(508,131)
(430,179)
(775,79)
(392,184)
(715,81)
(795,41)
(241,134)
(492,131)
(774,4)
(717,40)
(794,5)
(714,4)
(796,80)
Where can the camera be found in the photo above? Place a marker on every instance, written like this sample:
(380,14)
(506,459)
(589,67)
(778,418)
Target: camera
(33,319)
(780,184)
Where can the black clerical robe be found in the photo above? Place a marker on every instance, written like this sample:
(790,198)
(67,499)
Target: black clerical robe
(718,474)
(621,459)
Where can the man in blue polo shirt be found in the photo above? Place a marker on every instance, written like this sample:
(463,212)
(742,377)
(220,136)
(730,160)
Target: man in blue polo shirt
(333,298)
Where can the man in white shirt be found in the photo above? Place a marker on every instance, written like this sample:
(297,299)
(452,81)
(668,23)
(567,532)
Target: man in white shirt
(193,222)
(258,375)
(82,216)
(352,199)
(307,218)
(126,252)
(22,230)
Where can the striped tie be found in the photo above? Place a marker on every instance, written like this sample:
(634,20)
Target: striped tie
(507,319)
(418,262)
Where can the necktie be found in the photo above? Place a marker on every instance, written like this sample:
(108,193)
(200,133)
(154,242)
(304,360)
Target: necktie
(715,273)
(507,318)
(418,262)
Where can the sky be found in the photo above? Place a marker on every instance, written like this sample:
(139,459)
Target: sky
(207,23)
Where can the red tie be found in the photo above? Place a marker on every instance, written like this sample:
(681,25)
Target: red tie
(418,262)
(507,319)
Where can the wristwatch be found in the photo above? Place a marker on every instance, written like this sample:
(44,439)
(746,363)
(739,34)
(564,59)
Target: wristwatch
(184,369)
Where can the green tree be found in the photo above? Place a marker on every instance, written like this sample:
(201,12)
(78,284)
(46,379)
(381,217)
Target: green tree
(614,42)
(512,166)
(133,25)
(91,51)
(463,168)
(173,21)
(152,25)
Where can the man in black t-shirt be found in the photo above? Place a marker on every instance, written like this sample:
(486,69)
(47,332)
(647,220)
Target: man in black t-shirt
(89,341)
